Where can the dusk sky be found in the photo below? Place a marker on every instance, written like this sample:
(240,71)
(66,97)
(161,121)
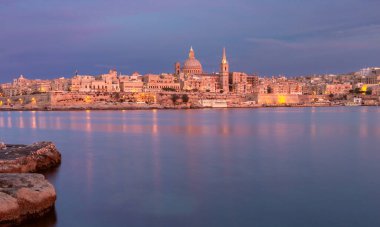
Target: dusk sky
(49,39)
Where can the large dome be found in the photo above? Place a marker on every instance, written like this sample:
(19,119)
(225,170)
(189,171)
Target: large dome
(192,65)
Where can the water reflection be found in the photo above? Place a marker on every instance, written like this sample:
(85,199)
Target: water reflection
(209,167)
(92,121)
(33,120)
(48,220)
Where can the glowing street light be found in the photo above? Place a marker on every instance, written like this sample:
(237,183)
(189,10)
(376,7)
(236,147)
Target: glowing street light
(34,101)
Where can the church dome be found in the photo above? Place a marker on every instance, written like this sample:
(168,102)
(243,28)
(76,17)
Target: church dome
(192,65)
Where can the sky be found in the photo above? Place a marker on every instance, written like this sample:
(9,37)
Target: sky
(54,38)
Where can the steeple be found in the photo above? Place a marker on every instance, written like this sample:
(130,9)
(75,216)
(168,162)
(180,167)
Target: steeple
(224,73)
(191,53)
(224,66)
(224,58)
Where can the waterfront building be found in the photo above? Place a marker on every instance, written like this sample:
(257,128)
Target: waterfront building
(41,86)
(132,86)
(20,86)
(338,89)
(314,89)
(104,83)
(253,80)
(60,84)
(133,83)
(159,83)
(282,86)
(376,90)
(81,83)
(6,89)
(238,83)
(260,89)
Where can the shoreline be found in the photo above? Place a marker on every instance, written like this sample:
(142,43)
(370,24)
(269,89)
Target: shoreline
(167,108)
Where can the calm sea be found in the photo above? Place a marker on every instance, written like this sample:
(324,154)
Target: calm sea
(237,167)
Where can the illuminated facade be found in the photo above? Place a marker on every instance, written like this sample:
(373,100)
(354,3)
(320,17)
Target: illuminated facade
(191,65)
(157,83)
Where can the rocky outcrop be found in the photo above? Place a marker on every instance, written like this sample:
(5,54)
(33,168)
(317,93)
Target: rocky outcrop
(23,196)
(23,193)
(37,157)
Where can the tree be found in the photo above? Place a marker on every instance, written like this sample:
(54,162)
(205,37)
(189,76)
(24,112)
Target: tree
(175,98)
(185,98)
(168,89)
(357,90)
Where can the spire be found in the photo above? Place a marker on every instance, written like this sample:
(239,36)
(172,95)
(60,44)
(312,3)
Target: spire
(224,58)
(191,53)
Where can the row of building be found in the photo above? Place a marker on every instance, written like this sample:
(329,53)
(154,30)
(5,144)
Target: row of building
(190,77)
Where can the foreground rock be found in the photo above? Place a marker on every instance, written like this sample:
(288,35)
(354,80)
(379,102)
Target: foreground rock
(24,196)
(37,157)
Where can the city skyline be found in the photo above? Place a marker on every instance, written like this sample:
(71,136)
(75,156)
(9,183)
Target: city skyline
(48,40)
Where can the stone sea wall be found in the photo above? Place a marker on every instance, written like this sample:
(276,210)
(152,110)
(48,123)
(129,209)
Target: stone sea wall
(158,100)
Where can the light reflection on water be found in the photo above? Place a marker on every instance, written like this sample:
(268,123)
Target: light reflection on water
(236,167)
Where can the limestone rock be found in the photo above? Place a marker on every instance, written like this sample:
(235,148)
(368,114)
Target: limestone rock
(37,157)
(24,196)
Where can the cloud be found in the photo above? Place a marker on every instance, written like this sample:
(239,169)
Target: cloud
(354,38)
(52,37)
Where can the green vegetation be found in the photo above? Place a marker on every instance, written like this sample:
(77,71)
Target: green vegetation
(175,98)
(185,98)
(168,89)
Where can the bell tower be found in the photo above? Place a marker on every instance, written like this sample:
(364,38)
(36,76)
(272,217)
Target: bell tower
(177,68)
(224,72)
(224,66)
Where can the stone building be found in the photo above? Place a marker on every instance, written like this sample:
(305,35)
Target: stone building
(41,86)
(192,77)
(238,83)
(81,83)
(20,86)
(338,88)
(158,83)
(132,86)
(314,89)
(131,83)
(60,84)
(104,83)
